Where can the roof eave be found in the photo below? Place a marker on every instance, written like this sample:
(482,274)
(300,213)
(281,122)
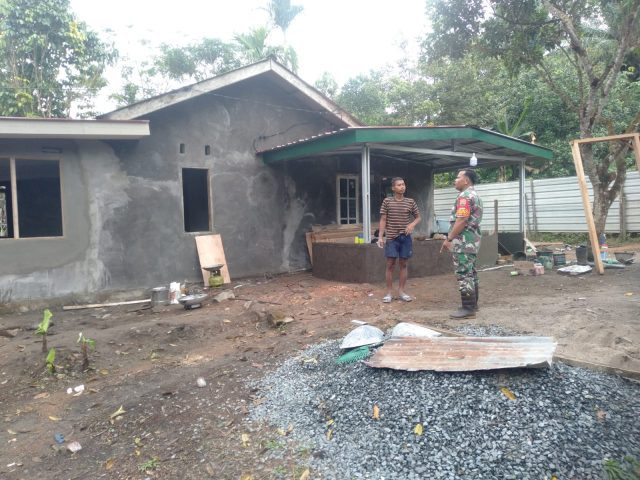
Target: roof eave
(359,136)
(173,97)
(35,128)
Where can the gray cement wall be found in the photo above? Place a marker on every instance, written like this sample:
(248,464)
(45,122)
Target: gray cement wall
(255,208)
(74,263)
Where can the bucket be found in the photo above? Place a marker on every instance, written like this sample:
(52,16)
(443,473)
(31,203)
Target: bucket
(581,254)
(559,259)
(159,296)
(546,259)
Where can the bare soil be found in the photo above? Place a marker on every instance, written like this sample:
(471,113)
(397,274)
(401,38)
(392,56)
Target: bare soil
(147,361)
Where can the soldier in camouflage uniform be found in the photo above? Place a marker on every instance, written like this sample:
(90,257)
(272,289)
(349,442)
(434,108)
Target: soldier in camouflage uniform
(463,241)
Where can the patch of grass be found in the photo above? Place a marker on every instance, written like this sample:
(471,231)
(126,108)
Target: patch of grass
(150,464)
(272,445)
(628,469)
(304,451)
(280,470)
(568,238)
(573,238)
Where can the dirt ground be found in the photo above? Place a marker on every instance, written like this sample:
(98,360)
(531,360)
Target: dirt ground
(146,362)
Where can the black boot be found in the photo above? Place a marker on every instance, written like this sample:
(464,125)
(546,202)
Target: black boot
(468,307)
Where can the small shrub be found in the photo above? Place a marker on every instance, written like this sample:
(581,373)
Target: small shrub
(49,361)
(150,464)
(628,469)
(43,328)
(85,345)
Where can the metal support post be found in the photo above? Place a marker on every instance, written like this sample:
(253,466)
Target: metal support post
(366,194)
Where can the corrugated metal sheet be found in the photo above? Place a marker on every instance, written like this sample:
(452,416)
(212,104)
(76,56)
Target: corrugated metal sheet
(553,205)
(460,354)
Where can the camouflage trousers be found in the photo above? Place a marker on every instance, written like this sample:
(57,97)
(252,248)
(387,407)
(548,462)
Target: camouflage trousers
(465,268)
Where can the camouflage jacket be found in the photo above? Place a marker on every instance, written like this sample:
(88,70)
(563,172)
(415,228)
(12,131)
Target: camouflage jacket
(468,205)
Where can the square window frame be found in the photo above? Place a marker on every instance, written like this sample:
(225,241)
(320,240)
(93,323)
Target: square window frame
(347,176)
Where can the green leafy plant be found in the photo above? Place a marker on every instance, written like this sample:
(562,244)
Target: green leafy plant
(280,470)
(628,469)
(85,345)
(272,445)
(150,464)
(43,328)
(51,357)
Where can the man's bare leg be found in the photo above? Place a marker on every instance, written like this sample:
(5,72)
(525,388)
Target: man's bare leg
(391,264)
(403,274)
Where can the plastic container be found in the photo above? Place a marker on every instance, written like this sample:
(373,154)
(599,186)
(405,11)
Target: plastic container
(559,259)
(604,248)
(159,296)
(581,254)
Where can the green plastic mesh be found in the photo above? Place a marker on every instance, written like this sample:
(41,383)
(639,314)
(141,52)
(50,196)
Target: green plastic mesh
(354,355)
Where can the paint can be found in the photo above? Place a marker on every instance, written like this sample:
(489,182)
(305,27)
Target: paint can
(559,259)
(159,296)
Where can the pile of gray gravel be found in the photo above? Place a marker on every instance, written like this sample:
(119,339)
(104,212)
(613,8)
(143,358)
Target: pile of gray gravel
(564,421)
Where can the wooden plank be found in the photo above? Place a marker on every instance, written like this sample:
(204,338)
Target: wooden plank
(211,252)
(623,136)
(309,238)
(14,197)
(636,149)
(593,236)
(100,305)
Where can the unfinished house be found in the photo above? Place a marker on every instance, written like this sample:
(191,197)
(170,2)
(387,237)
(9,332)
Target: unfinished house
(255,155)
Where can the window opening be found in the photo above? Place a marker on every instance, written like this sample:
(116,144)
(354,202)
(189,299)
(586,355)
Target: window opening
(347,204)
(195,194)
(182,148)
(6,218)
(38,198)
(207,149)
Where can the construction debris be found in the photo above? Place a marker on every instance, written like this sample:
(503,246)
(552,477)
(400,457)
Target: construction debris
(407,329)
(575,269)
(459,354)
(100,305)
(363,335)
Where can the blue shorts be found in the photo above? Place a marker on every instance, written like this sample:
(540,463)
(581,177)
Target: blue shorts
(401,246)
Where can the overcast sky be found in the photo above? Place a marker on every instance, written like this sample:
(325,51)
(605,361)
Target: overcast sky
(343,37)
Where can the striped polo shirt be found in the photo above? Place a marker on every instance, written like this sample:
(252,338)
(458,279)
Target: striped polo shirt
(398,214)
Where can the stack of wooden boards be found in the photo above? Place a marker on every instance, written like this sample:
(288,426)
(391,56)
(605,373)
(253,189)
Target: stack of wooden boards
(333,234)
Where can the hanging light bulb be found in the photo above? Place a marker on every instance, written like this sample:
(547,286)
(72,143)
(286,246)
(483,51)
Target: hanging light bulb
(473,161)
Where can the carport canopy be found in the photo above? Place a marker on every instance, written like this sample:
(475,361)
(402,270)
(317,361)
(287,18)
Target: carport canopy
(444,148)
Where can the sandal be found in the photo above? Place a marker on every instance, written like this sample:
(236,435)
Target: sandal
(387,298)
(406,298)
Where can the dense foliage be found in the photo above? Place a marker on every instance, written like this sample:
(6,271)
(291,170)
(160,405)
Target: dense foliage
(48,60)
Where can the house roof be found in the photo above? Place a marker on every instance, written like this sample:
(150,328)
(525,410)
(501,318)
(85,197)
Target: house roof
(268,68)
(14,127)
(444,147)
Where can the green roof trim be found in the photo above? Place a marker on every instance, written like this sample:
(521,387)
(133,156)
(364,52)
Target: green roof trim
(512,143)
(306,148)
(362,135)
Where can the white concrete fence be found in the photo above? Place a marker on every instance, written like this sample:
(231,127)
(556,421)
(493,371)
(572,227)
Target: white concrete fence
(552,205)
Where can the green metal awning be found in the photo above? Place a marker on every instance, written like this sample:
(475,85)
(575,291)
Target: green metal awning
(443,148)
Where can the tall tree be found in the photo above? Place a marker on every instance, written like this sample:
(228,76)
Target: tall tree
(282,13)
(366,97)
(594,35)
(197,61)
(327,85)
(48,60)
(253,47)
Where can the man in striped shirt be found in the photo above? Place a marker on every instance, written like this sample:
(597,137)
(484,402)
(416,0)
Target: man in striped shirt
(396,226)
